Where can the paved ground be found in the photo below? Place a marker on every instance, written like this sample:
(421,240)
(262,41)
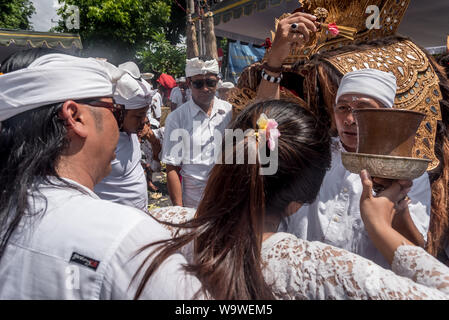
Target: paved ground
(161,198)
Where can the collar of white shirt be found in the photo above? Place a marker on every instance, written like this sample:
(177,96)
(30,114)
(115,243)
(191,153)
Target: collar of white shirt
(216,108)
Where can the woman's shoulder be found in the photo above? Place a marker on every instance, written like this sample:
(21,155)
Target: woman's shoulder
(173,215)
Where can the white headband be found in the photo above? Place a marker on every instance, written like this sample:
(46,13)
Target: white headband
(371,82)
(196,66)
(56,78)
(143,96)
(225,85)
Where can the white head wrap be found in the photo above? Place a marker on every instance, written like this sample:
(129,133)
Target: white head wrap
(374,83)
(131,68)
(182,79)
(143,96)
(56,78)
(225,85)
(196,66)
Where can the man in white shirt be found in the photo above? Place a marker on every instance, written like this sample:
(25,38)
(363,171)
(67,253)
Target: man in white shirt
(126,184)
(155,110)
(58,239)
(179,94)
(198,123)
(334,217)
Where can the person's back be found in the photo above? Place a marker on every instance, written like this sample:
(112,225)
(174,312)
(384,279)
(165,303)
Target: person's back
(81,248)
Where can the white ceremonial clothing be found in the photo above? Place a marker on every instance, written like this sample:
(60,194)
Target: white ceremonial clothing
(197,66)
(298,269)
(81,248)
(155,109)
(176,96)
(147,150)
(126,184)
(62,77)
(334,217)
(188,94)
(199,145)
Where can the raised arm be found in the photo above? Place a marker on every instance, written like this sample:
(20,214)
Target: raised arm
(284,39)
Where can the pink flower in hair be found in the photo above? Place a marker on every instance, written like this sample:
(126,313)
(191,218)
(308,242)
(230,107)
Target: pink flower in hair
(270,127)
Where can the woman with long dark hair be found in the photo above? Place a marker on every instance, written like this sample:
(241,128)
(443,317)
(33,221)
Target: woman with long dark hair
(231,241)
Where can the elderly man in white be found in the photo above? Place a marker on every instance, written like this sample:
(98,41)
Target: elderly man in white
(203,118)
(126,184)
(334,217)
(58,239)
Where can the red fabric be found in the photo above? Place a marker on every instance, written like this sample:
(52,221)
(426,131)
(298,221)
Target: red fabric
(267,43)
(167,81)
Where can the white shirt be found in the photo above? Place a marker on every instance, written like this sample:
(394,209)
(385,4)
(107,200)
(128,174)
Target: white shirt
(199,146)
(156,105)
(81,248)
(334,217)
(126,184)
(176,96)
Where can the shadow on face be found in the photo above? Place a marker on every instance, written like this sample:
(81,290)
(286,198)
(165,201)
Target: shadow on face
(344,119)
(134,120)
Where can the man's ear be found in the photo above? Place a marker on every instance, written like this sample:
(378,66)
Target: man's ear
(189,83)
(74,117)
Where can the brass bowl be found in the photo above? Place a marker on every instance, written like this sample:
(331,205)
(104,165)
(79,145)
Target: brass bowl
(389,167)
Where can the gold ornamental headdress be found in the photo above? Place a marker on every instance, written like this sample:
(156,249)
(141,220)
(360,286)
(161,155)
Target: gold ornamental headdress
(371,19)
(417,81)
(417,85)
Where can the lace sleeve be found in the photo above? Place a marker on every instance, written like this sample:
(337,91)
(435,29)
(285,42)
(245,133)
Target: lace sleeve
(173,215)
(176,215)
(297,269)
(415,263)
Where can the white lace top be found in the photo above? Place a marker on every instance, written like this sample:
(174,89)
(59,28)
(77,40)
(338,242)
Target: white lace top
(300,269)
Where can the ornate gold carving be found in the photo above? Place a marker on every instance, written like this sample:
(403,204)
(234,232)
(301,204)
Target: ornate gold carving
(240,98)
(350,13)
(417,82)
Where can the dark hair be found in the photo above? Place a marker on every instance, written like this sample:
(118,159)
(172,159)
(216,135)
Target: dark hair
(228,226)
(30,146)
(22,59)
(443,60)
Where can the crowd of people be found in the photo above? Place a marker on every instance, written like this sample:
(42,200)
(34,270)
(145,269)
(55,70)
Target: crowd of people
(74,219)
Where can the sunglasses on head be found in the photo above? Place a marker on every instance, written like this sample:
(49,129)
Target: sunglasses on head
(118,110)
(198,84)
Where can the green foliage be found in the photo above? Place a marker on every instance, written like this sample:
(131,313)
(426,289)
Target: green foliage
(16,14)
(162,57)
(116,29)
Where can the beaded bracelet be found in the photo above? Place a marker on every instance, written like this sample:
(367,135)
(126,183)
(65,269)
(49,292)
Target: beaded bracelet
(271,78)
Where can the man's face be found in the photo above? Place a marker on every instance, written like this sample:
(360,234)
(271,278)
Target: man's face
(344,119)
(203,88)
(183,87)
(135,120)
(223,93)
(104,139)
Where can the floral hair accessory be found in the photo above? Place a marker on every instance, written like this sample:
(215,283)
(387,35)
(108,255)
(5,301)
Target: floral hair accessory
(270,128)
(333,28)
